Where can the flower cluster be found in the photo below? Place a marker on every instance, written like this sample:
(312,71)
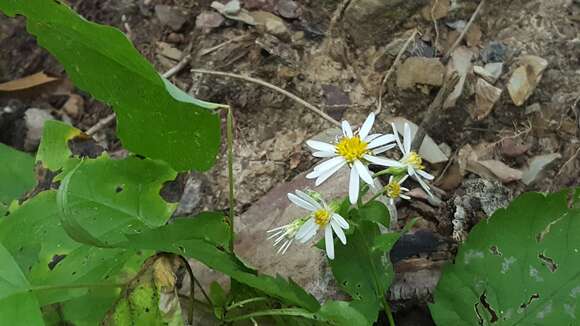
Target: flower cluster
(356,150)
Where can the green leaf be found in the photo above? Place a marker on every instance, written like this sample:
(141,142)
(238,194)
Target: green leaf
(519,267)
(361,272)
(217,294)
(120,195)
(18,306)
(16,175)
(154,118)
(374,211)
(341,313)
(43,250)
(385,242)
(196,245)
(53,151)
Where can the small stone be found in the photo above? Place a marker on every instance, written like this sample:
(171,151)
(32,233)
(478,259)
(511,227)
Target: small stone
(74,106)
(170,52)
(428,149)
(537,165)
(266,5)
(494,52)
(170,16)
(34,120)
(486,95)
(208,20)
(473,35)
(274,25)
(288,9)
(512,148)
(233,7)
(525,78)
(457,25)
(536,107)
(243,15)
(191,198)
(419,70)
(491,72)
(175,38)
(437,9)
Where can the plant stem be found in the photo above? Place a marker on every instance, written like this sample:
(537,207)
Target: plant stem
(244,302)
(230,139)
(388,311)
(275,312)
(75,286)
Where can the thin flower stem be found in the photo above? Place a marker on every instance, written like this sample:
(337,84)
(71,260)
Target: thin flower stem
(230,139)
(244,302)
(275,312)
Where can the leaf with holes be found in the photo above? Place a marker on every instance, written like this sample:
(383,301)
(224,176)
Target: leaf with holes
(155,119)
(105,194)
(365,274)
(54,151)
(16,175)
(519,267)
(50,258)
(18,306)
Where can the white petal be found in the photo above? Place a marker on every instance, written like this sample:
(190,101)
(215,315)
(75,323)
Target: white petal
(329,242)
(383,161)
(367,125)
(278,228)
(307,198)
(308,236)
(313,174)
(363,172)
(327,174)
(338,231)
(305,228)
(340,220)
(407,138)
(346,129)
(382,149)
(329,164)
(371,137)
(353,186)
(425,175)
(323,154)
(405,196)
(287,246)
(403,179)
(397,139)
(301,202)
(383,140)
(423,184)
(274,235)
(320,146)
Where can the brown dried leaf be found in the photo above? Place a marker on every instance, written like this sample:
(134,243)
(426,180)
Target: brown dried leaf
(31,81)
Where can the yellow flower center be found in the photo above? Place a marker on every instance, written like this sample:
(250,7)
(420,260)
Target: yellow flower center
(322,217)
(351,148)
(393,189)
(415,160)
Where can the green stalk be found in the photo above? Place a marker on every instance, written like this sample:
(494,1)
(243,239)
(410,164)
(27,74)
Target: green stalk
(275,312)
(230,145)
(75,286)
(244,302)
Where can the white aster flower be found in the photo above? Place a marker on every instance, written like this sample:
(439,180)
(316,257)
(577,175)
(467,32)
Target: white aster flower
(355,150)
(412,162)
(322,217)
(393,189)
(285,235)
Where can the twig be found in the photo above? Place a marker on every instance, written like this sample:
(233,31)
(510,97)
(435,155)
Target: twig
(434,109)
(169,73)
(568,162)
(436,43)
(390,71)
(464,31)
(219,46)
(275,88)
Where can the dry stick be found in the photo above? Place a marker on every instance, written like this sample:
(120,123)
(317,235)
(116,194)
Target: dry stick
(169,73)
(434,109)
(219,46)
(436,43)
(390,71)
(275,88)
(464,31)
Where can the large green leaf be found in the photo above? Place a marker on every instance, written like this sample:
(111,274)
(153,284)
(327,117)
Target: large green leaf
(519,267)
(53,151)
(18,306)
(365,274)
(205,241)
(106,194)
(155,119)
(16,175)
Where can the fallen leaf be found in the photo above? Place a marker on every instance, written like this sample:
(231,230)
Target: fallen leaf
(505,173)
(537,165)
(486,95)
(461,63)
(37,79)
